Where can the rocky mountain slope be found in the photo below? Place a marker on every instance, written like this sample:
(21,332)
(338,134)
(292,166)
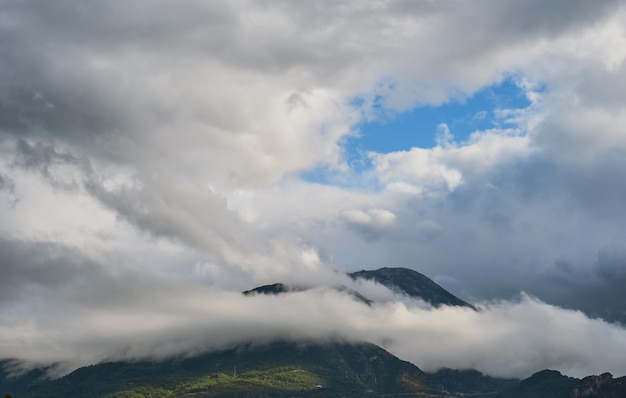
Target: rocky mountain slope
(413,284)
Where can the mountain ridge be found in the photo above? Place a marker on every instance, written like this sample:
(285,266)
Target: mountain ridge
(400,280)
(304,368)
(412,284)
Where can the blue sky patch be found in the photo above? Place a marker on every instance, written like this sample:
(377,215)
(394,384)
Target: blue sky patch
(418,127)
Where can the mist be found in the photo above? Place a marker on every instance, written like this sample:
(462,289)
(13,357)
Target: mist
(501,339)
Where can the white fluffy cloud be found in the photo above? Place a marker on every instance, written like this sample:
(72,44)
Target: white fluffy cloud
(372,222)
(501,339)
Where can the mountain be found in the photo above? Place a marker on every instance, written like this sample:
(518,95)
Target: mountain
(552,384)
(470,383)
(275,288)
(296,369)
(280,288)
(602,386)
(402,280)
(413,284)
(544,384)
(15,378)
(273,370)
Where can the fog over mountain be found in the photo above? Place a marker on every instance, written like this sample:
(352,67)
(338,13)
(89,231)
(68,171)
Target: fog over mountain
(500,338)
(157,158)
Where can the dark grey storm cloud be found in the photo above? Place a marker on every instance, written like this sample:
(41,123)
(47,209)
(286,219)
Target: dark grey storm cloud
(599,292)
(26,264)
(68,278)
(581,206)
(5,182)
(42,156)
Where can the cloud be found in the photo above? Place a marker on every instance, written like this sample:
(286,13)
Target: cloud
(61,305)
(372,223)
(597,290)
(500,339)
(421,171)
(430,228)
(164,148)
(6,183)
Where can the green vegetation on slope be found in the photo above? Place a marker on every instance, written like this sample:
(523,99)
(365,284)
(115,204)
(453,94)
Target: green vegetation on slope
(286,369)
(271,370)
(276,380)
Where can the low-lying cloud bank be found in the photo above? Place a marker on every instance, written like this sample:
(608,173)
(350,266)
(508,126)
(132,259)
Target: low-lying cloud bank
(507,338)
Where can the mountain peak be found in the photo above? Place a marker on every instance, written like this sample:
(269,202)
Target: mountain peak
(402,280)
(280,288)
(413,284)
(275,288)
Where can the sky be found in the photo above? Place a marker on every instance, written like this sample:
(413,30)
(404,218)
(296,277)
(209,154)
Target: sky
(158,157)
